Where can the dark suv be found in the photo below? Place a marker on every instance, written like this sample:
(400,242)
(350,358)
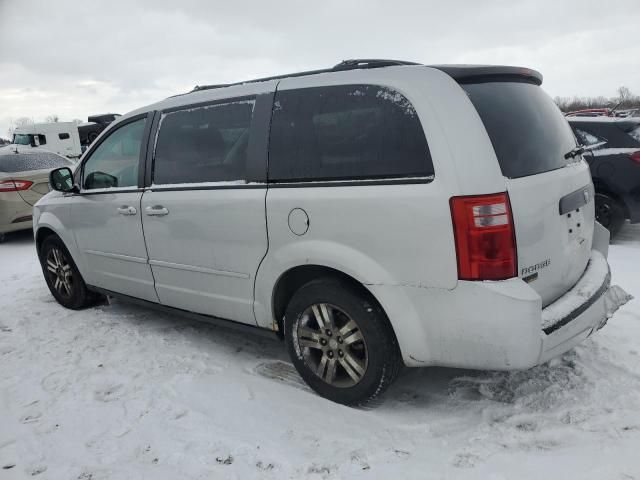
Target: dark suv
(615,166)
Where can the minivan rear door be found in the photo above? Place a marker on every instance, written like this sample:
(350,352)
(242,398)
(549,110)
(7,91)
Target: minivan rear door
(551,192)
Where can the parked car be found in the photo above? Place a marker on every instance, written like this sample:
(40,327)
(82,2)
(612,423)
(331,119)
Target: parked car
(591,112)
(24,178)
(58,137)
(615,166)
(374,214)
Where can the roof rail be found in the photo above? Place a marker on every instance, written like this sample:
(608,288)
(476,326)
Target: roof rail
(353,64)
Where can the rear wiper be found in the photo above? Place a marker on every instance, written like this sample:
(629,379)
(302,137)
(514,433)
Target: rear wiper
(580,149)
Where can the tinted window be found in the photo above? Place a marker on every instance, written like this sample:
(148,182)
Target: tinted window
(42,139)
(63,136)
(346,132)
(23,162)
(204,144)
(587,138)
(528,132)
(114,163)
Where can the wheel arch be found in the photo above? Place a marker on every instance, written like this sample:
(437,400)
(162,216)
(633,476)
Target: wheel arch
(605,189)
(295,277)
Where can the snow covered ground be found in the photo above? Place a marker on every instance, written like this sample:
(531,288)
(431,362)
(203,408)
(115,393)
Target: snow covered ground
(120,392)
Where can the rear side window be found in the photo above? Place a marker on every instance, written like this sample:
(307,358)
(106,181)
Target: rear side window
(24,162)
(204,144)
(63,136)
(347,132)
(528,132)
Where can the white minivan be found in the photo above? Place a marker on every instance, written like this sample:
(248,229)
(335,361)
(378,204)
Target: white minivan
(375,214)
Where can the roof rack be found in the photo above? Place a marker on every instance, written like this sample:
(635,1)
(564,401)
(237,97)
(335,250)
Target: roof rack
(353,64)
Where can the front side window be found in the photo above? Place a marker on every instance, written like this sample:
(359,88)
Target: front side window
(114,163)
(203,144)
(346,132)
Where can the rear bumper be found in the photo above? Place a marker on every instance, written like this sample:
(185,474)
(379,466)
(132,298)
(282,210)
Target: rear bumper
(498,325)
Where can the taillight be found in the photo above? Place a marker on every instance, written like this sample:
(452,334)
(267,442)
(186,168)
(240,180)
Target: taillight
(635,156)
(485,237)
(14,185)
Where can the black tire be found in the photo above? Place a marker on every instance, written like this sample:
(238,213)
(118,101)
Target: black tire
(71,292)
(91,137)
(610,213)
(377,351)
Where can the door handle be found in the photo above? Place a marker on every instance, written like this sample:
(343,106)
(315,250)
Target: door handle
(127,210)
(156,211)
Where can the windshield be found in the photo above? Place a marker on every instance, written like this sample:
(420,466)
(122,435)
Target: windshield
(22,138)
(528,132)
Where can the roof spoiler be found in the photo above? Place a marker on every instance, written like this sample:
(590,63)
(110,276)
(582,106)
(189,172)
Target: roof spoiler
(490,73)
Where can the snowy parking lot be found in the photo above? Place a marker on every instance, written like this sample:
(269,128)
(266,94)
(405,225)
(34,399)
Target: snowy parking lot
(121,392)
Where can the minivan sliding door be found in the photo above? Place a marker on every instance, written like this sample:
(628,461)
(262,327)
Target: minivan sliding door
(204,213)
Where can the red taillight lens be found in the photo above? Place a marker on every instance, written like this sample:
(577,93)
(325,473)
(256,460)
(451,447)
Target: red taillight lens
(14,185)
(635,156)
(485,237)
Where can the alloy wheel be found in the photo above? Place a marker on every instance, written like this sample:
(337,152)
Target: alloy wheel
(60,272)
(332,345)
(603,214)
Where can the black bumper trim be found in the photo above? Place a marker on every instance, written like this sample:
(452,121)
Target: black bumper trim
(582,308)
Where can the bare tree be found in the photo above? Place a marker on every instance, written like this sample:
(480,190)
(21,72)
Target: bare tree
(17,123)
(52,118)
(624,96)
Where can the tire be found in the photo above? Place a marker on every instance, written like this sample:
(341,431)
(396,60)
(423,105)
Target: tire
(62,276)
(355,356)
(91,137)
(610,213)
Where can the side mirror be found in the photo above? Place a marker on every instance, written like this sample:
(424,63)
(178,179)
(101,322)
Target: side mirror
(61,180)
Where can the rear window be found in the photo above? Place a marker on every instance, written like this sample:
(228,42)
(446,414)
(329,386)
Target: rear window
(24,162)
(528,132)
(346,132)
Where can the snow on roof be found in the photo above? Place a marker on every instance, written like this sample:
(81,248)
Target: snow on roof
(603,119)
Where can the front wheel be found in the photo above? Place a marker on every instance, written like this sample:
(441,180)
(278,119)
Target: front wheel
(62,276)
(609,213)
(340,342)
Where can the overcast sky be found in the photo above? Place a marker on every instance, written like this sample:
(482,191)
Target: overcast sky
(76,58)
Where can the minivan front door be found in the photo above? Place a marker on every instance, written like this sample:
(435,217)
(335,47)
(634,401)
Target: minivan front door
(204,222)
(105,215)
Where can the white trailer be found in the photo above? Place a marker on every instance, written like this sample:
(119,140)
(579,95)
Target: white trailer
(59,137)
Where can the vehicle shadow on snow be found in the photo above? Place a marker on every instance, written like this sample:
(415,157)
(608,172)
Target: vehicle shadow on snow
(23,237)
(538,388)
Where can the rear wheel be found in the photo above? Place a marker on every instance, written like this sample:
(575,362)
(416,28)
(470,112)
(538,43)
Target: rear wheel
(341,342)
(62,276)
(609,213)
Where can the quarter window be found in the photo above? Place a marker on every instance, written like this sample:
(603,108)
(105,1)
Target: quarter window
(63,136)
(204,144)
(587,138)
(347,132)
(114,163)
